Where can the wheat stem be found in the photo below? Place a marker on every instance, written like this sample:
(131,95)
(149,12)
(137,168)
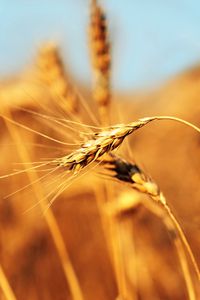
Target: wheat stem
(184,265)
(183,239)
(5,286)
(174,119)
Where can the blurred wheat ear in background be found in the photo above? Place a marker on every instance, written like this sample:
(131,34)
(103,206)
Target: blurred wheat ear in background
(101,60)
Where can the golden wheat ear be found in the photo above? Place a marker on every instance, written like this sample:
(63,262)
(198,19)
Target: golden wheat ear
(100,143)
(101,60)
(51,72)
(130,173)
(107,140)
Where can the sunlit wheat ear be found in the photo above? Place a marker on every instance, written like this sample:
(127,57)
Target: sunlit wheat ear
(52,73)
(100,143)
(134,176)
(101,59)
(106,141)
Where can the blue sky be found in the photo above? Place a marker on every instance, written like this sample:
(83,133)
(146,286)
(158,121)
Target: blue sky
(152,39)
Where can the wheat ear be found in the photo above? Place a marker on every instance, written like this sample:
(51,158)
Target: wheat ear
(101,60)
(132,174)
(52,73)
(106,141)
(102,142)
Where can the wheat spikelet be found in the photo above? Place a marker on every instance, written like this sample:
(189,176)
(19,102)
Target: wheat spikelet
(52,73)
(101,59)
(133,175)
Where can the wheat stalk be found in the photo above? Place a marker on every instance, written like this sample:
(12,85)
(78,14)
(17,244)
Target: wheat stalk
(101,61)
(5,286)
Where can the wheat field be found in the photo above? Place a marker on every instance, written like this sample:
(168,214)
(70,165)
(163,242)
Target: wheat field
(99,191)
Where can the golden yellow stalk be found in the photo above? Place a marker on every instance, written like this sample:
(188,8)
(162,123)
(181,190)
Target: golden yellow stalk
(182,256)
(67,266)
(114,209)
(5,286)
(101,58)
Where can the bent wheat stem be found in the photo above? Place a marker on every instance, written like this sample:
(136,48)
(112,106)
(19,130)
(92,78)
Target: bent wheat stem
(183,239)
(182,258)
